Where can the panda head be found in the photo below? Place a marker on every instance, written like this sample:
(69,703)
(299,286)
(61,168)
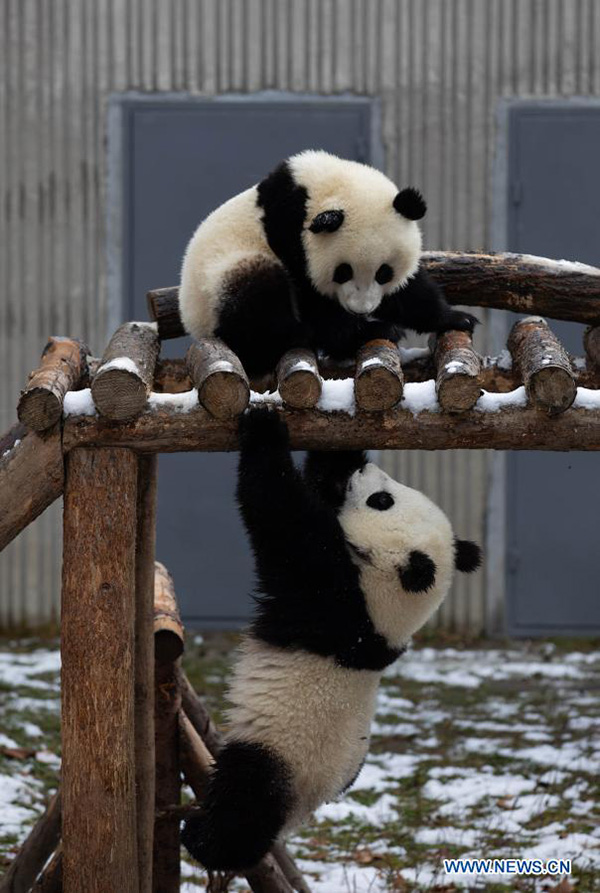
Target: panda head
(343,225)
(402,542)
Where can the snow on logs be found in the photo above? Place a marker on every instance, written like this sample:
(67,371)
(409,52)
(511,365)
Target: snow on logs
(123,381)
(458,371)
(378,379)
(298,379)
(543,363)
(219,377)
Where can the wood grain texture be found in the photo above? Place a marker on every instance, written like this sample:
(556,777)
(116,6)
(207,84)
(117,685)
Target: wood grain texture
(31,477)
(97,644)
(298,379)
(144,665)
(218,375)
(62,367)
(168,628)
(197,713)
(35,851)
(458,371)
(120,389)
(543,363)
(378,379)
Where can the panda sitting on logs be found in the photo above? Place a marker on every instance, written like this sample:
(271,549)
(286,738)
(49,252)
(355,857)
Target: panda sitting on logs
(323,254)
(350,564)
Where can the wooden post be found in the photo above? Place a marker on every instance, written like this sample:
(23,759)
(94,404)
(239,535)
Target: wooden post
(51,879)
(34,853)
(298,379)
(378,378)
(219,376)
(63,365)
(144,666)
(97,639)
(458,370)
(591,343)
(166,862)
(121,385)
(543,363)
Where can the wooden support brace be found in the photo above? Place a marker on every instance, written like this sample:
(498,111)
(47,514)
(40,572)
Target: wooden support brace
(31,477)
(543,363)
(51,879)
(198,714)
(591,343)
(97,643)
(218,375)
(378,380)
(62,367)
(298,379)
(35,852)
(458,369)
(121,385)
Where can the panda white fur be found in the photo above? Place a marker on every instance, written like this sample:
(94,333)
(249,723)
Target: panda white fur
(323,253)
(350,564)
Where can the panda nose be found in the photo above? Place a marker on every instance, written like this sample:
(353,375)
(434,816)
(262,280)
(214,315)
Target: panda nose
(382,500)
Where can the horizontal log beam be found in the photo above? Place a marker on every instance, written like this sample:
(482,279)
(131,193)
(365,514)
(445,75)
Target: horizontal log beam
(512,428)
(522,283)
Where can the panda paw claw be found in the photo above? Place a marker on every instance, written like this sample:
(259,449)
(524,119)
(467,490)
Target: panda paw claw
(260,426)
(460,322)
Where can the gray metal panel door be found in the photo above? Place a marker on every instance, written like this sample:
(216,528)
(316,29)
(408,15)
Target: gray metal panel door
(182,158)
(554,498)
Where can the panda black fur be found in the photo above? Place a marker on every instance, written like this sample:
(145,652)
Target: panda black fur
(350,564)
(323,253)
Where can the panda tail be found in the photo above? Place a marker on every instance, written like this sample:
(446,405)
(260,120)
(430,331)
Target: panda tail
(248,799)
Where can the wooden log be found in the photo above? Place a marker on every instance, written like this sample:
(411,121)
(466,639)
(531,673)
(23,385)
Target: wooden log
(522,283)
(197,714)
(145,758)
(168,628)
(218,375)
(298,379)
(378,379)
(35,851)
(289,868)
(163,308)
(512,428)
(31,477)
(196,759)
(591,343)
(458,369)
(62,368)
(543,364)
(97,643)
(124,379)
(167,704)
(51,879)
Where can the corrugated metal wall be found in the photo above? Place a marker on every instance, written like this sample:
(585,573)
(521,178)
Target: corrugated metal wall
(438,66)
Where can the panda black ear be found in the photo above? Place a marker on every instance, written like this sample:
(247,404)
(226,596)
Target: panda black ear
(410,203)
(327,222)
(328,472)
(467,556)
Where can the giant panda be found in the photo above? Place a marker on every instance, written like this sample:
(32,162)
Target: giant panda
(323,253)
(350,564)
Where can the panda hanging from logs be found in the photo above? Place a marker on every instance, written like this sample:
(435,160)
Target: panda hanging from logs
(350,564)
(323,254)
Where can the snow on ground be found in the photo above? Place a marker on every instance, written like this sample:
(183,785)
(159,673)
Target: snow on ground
(477,752)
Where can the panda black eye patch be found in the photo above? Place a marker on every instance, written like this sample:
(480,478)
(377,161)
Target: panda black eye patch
(384,274)
(419,574)
(382,500)
(342,273)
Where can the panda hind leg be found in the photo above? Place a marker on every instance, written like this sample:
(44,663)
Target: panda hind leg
(248,799)
(256,316)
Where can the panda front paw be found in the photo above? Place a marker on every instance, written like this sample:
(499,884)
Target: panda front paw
(259,427)
(459,321)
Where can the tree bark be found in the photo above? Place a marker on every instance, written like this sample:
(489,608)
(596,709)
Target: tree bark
(145,757)
(35,851)
(121,385)
(168,628)
(298,379)
(458,368)
(218,375)
(97,643)
(543,363)
(378,380)
(31,478)
(62,367)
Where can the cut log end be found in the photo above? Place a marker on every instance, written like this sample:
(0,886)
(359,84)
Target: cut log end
(63,367)
(224,394)
(553,389)
(458,370)
(119,394)
(544,365)
(378,381)
(458,393)
(39,409)
(298,379)
(168,628)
